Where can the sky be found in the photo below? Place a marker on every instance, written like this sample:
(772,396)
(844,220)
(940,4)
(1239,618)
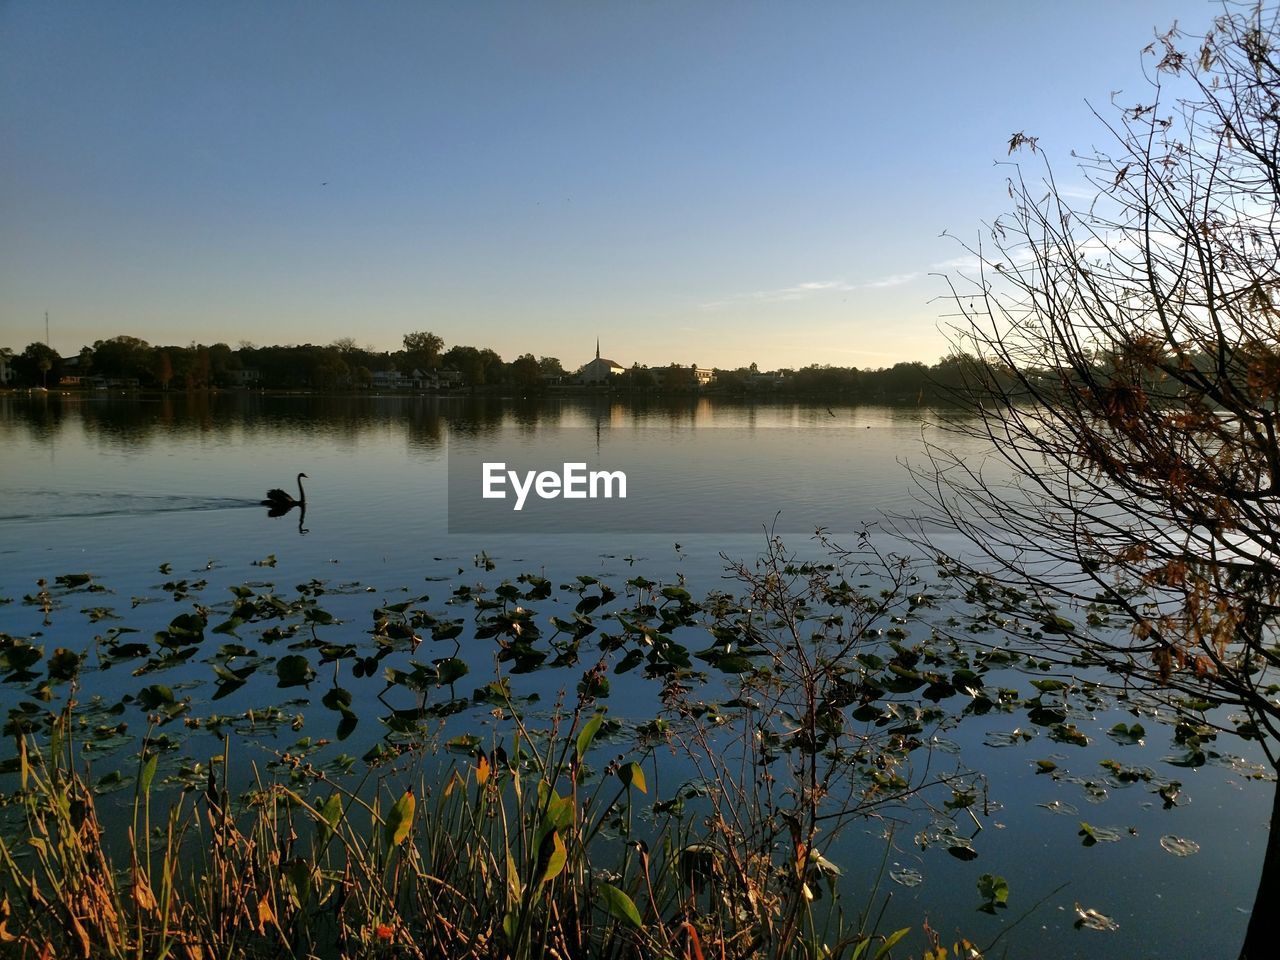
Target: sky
(704,182)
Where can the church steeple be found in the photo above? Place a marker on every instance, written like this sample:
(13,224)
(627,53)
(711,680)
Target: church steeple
(597,348)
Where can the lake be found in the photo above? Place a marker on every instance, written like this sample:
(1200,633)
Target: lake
(157,497)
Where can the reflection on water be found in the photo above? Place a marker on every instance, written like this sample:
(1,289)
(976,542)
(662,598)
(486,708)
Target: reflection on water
(371,457)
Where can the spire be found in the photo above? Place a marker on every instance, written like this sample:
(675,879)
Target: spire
(597,348)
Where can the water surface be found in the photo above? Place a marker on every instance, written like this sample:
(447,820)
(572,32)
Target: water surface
(119,486)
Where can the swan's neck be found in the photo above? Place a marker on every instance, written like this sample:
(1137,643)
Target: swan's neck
(302,494)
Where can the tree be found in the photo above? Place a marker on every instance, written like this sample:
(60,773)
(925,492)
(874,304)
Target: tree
(525,372)
(36,361)
(221,360)
(326,369)
(1124,360)
(677,377)
(468,362)
(163,369)
(639,378)
(551,367)
(122,356)
(494,368)
(423,349)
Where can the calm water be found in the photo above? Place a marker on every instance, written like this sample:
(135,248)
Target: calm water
(117,487)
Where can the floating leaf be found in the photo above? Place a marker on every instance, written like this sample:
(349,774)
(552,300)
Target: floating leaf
(1131,734)
(1008,738)
(1048,685)
(1043,716)
(907,876)
(961,849)
(1179,846)
(1093,835)
(337,698)
(1090,919)
(156,695)
(994,891)
(463,743)
(184,629)
(294,671)
(449,670)
(1068,733)
(63,664)
(316,615)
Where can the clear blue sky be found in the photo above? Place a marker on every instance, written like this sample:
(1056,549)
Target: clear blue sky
(719,182)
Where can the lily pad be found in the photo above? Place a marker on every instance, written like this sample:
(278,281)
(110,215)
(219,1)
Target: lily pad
(1089,919)
(293,671)
(1179,846)
(907,876)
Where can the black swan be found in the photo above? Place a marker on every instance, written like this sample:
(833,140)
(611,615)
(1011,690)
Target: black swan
(281,499)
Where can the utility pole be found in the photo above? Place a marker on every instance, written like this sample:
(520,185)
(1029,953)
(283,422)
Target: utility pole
(46,330)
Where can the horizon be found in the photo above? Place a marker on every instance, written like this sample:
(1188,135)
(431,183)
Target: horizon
(755,182)
(507,358)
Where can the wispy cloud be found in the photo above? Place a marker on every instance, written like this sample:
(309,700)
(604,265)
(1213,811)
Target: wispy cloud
(1078,191)
(892,280)
(798,291)
(966,262)
(811,288)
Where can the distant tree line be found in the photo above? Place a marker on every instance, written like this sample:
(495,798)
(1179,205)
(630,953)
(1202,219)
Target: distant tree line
(344,364)
(338,365)
(902,381)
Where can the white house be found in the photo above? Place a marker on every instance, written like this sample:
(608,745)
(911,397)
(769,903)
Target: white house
(391,380)
(437,379)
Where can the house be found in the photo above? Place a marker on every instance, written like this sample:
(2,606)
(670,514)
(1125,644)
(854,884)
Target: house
(391,380)
(247,377)
(446,379)
(73,375)
(678,377)
(6,371)
(599,370)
